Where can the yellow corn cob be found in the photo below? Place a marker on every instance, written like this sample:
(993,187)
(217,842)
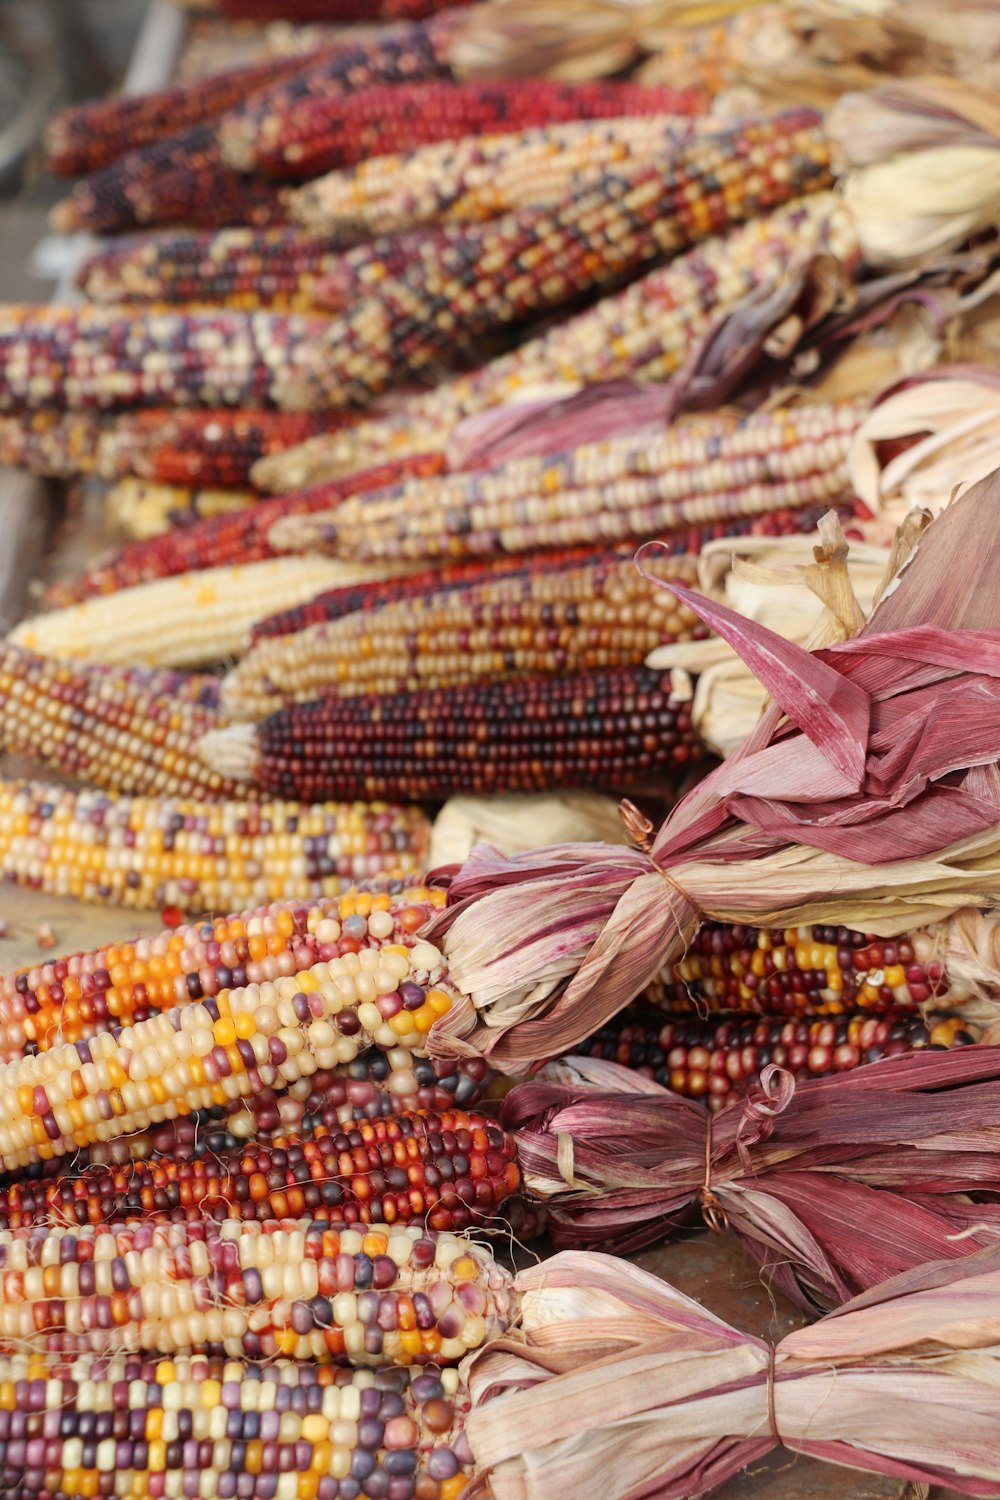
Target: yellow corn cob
(191,620)
(149,852)
(646,332)
(138,509)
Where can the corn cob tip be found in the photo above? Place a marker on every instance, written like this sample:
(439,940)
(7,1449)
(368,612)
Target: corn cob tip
(235,745)
(64,217)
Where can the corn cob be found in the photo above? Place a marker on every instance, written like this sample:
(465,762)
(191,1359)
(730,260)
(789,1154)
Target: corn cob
(83,357)
(104,728)
(402,55)
(111,1426)
(181,179)
(482,177)
(529,261)
(623,489)
(646,332)
(616,728)
(85,137)
(122,984)
(204,447)
(395,1296)
(184,621)
(139,509)
(287,270)
(148,853)
(333,12)
(55,444)
(324,134)
(812,971)
(222,540)
(599,614)
(718,1060)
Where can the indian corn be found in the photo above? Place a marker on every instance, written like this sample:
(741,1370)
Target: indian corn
(598,614)
(202,446)
(139,509)
(647,332)
(622,489)
(186,621)
(611,728)
(383,1296)
(152,852)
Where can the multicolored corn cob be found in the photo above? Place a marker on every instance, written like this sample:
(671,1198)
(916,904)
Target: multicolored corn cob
(88,136)
(241,537)
(204,447)
(148,853)
(646,331)
(186,621)
(396,1296)
(287,1428)
(614,729)
(718,1060)
(402,55)
(287,270)
(526,262)
(483,177)
(594,615)
(623,489)
(324,134)
(105,728)
(55,444)
(72,357)
(139,509)
(807,971)
(333,12)
(66,999)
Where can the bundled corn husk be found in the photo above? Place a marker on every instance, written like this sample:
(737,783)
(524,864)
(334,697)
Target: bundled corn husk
(615,1386)
(867,796)
(809,1177)
(769,580)
(512,823)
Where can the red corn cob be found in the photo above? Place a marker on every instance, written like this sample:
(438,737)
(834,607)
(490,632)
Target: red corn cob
(240,536)
(87,136)
(616,728)
(447,1170)
(718,1060)
(322,134)
(205,447)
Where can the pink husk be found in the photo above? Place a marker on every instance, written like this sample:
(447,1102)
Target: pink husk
(617,1387)
(854,801)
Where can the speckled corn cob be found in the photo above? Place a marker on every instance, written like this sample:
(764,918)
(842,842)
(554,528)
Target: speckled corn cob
(148,853)
(241,537)
(595,615)
(105,728)
(87,136)
(55,444)
(814,971)
(324,134)
(289,1429)
(190,620)
(65,999)
(139,509)
(645,332)
(614,729)
(482,177)
(625,488)
(718,1060)
(526,262)
(402,1296)
(96,357)
(204,447)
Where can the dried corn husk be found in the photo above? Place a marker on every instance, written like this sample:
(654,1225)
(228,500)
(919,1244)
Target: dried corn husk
(513,823)
(769,580)
(868,796)
(616,1386)
(806,1176)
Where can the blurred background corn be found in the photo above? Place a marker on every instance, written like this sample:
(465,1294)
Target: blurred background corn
(325,133)
(588,729)
(71,357)
(201,446)
(105,728)
(625,488)
(64,999)
(148,853)
(140,509)
(222,540)
(595,615)
(186,621)
(315,1424)
(717,1060)
(646,331)
(258,1291)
